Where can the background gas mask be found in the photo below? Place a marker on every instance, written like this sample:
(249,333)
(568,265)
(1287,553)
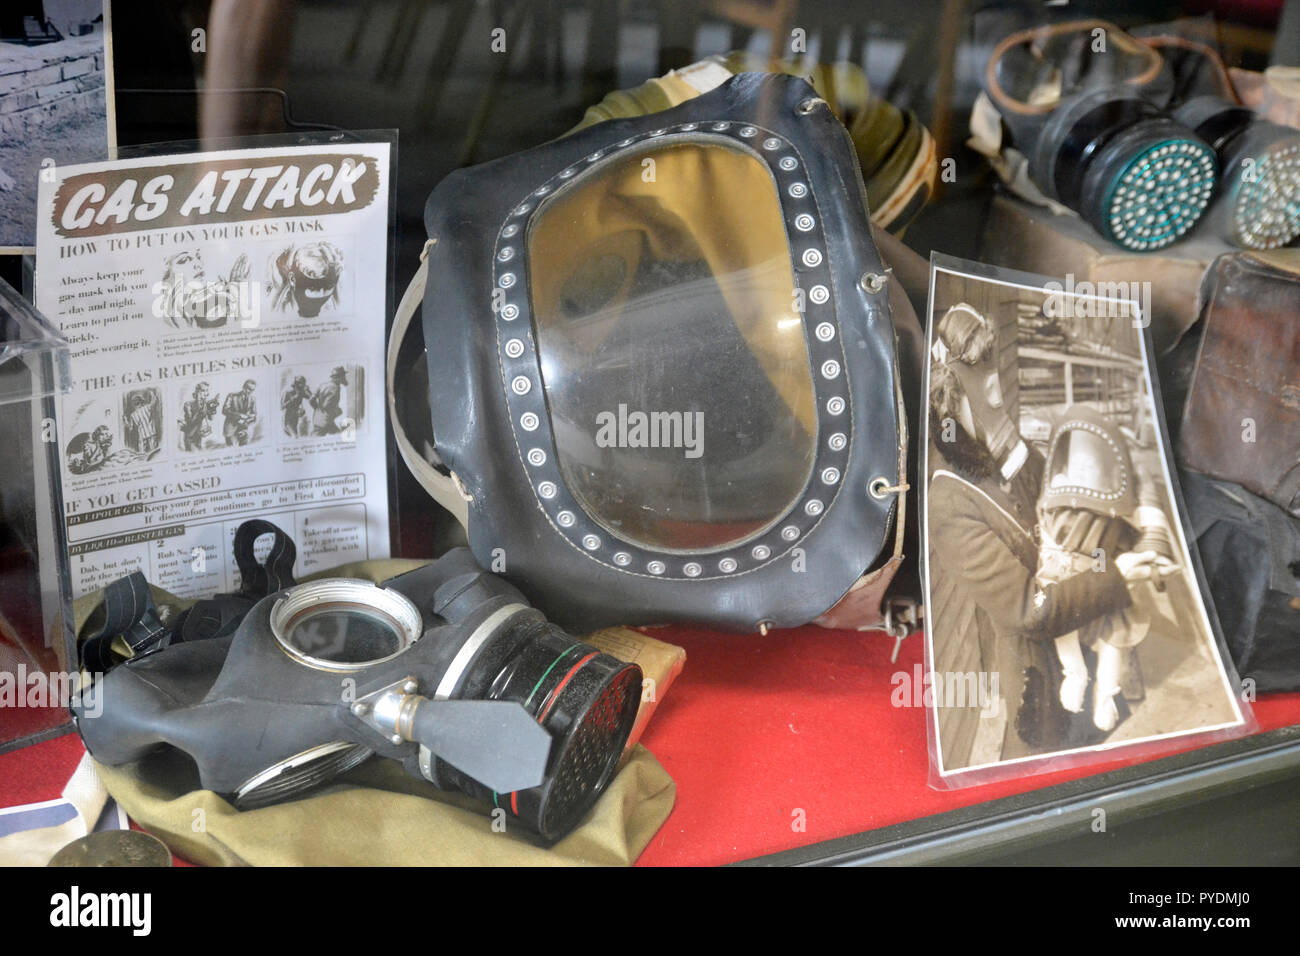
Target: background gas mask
(1259,161)
(445,668)
(662,370)
(1080,101)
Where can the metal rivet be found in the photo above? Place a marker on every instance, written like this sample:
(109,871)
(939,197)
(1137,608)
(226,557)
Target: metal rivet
(566,519)
(819,294)
(825,332)
(813,507)
(622,559)
(522,208)
(837,441)
(761,552)
(804,222)
(872,282)
(590,542)
(688,127)
(514,348)
(510,230)
(789,532)
(507,280)
(655,567)
(747,131)
(719,127)
(506,254)
(692,570)
(520,385)
(547,489)
(798,190)
(536,456)
(727,565)
(510,312)
(771,143)
(830,368)
(788,162)
(812,257)
(830,476)
(835,405)
(528,421)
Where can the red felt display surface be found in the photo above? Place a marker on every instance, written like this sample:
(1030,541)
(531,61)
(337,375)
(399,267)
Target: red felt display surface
(757,728)
(754,729)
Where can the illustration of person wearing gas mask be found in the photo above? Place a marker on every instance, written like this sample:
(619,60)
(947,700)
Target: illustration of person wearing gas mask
(196,417)
(240,412)
(995,615)
(327,404)
(186,300)
(307,278)
(90,452)
(297,423)
(1095,504)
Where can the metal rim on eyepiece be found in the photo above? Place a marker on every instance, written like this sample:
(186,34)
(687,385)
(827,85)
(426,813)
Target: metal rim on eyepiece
(389,608)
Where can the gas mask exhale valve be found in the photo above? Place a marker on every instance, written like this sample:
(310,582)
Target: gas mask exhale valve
(446,669)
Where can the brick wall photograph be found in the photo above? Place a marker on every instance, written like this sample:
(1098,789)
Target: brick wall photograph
(52,100)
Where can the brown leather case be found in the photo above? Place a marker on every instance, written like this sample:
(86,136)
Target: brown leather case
(1242,418)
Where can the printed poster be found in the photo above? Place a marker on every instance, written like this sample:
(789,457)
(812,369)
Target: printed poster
(226,318)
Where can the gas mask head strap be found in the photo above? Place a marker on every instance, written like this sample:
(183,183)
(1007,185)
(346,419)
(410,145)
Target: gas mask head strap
(444,487)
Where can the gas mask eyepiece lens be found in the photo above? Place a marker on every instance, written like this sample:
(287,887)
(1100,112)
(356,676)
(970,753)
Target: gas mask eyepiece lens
(341,624)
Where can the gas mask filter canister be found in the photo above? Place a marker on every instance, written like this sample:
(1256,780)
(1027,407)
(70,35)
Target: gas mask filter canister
(1259,161)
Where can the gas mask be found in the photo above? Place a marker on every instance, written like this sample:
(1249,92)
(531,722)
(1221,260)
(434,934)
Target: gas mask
(1089,467)
(662,370)
(1259,204)
(1080,100)
(446,669)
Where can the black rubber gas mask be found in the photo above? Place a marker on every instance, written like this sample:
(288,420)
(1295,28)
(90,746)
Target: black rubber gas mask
(662,369)
(446,669)
(1080,101)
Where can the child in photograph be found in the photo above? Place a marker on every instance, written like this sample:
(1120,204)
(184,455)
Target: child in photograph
(1089,513)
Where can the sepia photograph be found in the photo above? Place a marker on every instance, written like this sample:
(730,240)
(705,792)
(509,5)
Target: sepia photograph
(1064,612)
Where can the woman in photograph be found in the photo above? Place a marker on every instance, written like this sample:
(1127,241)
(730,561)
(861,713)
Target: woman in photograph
(998,616)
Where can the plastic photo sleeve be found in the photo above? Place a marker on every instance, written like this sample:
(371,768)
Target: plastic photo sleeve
(1067,618)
